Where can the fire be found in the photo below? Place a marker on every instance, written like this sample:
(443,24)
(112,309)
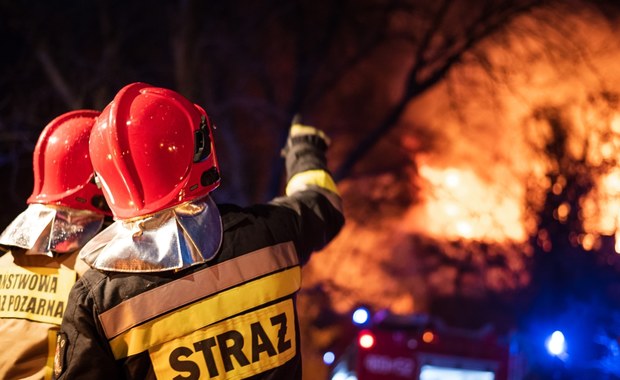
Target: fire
(601,210)
(458,204)
(474,180)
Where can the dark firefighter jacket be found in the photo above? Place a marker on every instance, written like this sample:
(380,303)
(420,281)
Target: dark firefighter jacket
(233,317)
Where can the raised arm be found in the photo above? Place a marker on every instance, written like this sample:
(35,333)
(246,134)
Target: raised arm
(310,190)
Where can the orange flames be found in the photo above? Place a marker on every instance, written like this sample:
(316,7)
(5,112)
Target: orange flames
(474,188)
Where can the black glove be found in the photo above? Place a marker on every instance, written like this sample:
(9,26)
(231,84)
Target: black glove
(305,149)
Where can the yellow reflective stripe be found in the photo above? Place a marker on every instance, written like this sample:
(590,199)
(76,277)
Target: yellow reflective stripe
(236,348)
(190,318)
(51,350)
(320,178)
(197,285)
(36,293)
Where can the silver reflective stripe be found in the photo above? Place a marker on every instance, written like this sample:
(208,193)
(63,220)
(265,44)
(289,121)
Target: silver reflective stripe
(195,286)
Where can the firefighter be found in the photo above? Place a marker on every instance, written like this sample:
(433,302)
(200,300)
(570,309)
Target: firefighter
(182,287)
(40,246)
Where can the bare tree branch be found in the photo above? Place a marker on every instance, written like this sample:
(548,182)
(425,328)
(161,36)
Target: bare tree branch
(57,79)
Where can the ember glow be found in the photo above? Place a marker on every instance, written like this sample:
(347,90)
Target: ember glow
(484,179)
(459,204)
(602,211)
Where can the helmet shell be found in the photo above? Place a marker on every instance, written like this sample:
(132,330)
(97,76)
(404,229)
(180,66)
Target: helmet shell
(63,173)
(152,149)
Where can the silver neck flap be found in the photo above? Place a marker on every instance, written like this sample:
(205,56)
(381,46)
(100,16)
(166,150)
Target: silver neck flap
(172,239)
(48,230)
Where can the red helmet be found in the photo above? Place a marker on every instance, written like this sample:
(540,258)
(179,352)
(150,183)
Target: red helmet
(63,173)
(152,149)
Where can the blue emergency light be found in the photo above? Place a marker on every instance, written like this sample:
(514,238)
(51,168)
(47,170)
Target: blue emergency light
(361,315)
(328,357)
(556,344)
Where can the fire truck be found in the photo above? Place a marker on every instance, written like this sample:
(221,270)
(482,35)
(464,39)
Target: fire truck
(419,347)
